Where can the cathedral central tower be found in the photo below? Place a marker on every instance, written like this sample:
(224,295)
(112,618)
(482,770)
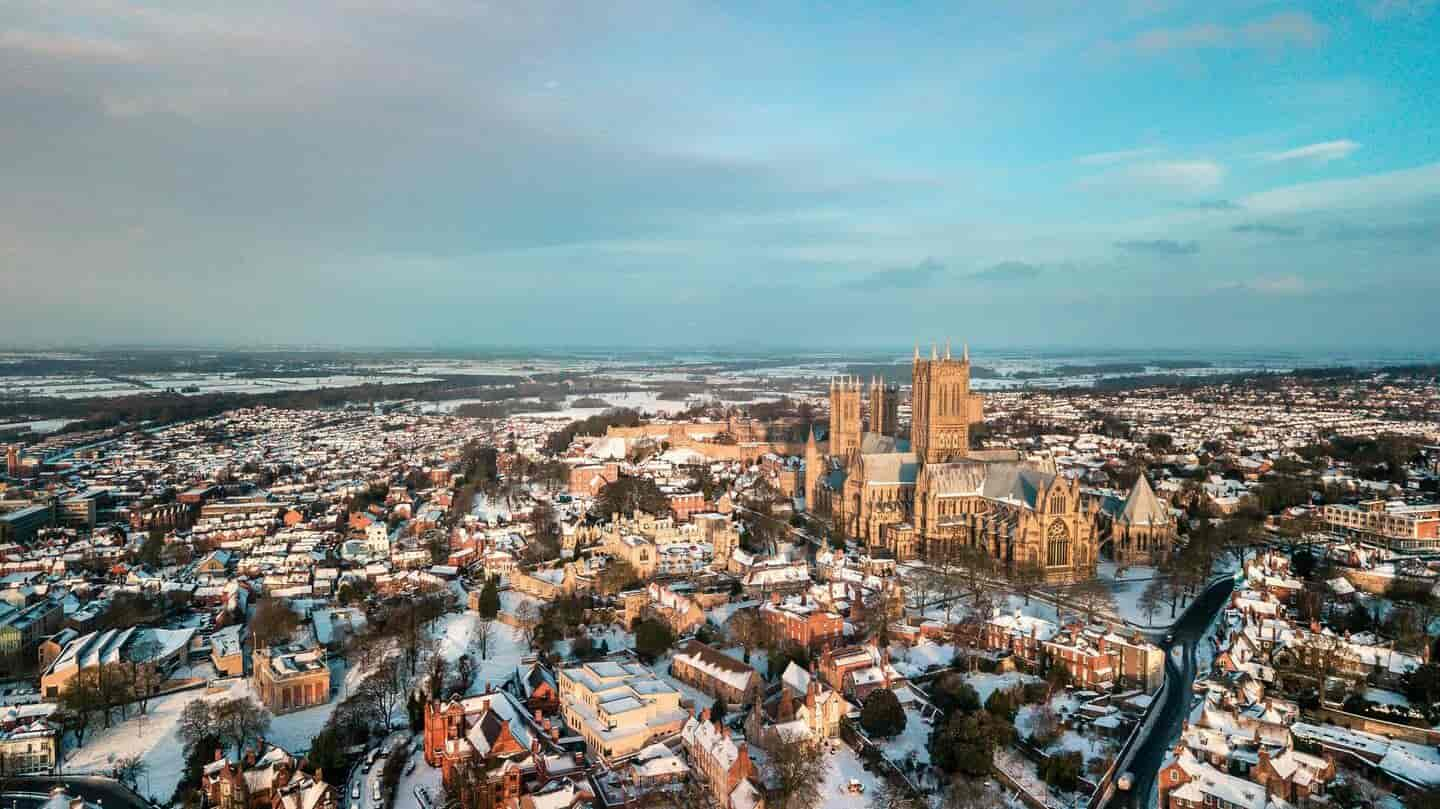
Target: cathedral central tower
(942,407)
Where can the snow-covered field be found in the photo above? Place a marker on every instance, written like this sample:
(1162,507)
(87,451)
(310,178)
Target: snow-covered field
(644,401)
(86,385)
(39,427)
(153,737)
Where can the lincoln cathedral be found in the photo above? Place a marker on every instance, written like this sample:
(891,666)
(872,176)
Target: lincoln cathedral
(931,496)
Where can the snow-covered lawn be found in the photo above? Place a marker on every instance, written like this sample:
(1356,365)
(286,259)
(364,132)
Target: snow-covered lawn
(835,792)
(507,646)
(1127,590)
(1089,747)
(911,742)
(153,737)
(924,655)
(987,684)
(719,615)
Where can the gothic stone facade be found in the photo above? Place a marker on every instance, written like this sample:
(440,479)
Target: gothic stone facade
(934,496)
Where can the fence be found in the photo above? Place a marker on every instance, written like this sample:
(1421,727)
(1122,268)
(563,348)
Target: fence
(851,734)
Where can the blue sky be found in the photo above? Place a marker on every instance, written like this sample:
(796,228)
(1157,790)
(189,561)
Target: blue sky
(436,172)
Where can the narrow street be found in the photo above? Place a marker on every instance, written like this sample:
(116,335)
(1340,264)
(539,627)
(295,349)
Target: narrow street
(1150,751)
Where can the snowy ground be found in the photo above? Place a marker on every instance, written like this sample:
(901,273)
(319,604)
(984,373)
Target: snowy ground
(923,655)
(1090,747)
(1127,590)
(488,510)
(642,401)
(423,775)
(153,737)
(719,615)
(507,647)
(987,684)
(844,766)
(912,741)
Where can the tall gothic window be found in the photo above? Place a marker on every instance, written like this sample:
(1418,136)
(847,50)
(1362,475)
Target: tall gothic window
(1057,549)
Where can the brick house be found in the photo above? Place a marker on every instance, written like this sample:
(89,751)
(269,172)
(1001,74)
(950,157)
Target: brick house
(716,674)
(266,777)
(801,621)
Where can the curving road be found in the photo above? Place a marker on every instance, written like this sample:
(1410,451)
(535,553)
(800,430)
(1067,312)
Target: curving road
(1150,751)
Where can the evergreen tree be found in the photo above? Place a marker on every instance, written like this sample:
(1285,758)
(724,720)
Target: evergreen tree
(882,714)
(489,599)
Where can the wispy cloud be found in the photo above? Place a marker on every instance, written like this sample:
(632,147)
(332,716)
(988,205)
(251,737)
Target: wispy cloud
(1388,9)
(1290,284)
(1389,189)
(1288,28)
(1204,35)
(1315,152)
(924,274)
(1211,205)
(1122,156)
(1276,31)
(1008,271)
(1263,229)
(69,47)
(1161,247)
(1173,176)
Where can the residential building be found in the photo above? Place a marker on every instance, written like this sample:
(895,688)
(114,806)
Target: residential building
(715,673)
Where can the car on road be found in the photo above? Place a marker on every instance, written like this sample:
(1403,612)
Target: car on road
(409,768)
(355,791)
(1127,780)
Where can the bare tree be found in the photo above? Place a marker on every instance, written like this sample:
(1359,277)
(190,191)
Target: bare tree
(387,687)
(1151,600)
(799,766)
(1044,725)
(240,721)
(968,793)
(1317,657)
(888,795)
(1091,596)
(482,638)
(527,615)
(145,677)
(1027,577)
(273,622)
